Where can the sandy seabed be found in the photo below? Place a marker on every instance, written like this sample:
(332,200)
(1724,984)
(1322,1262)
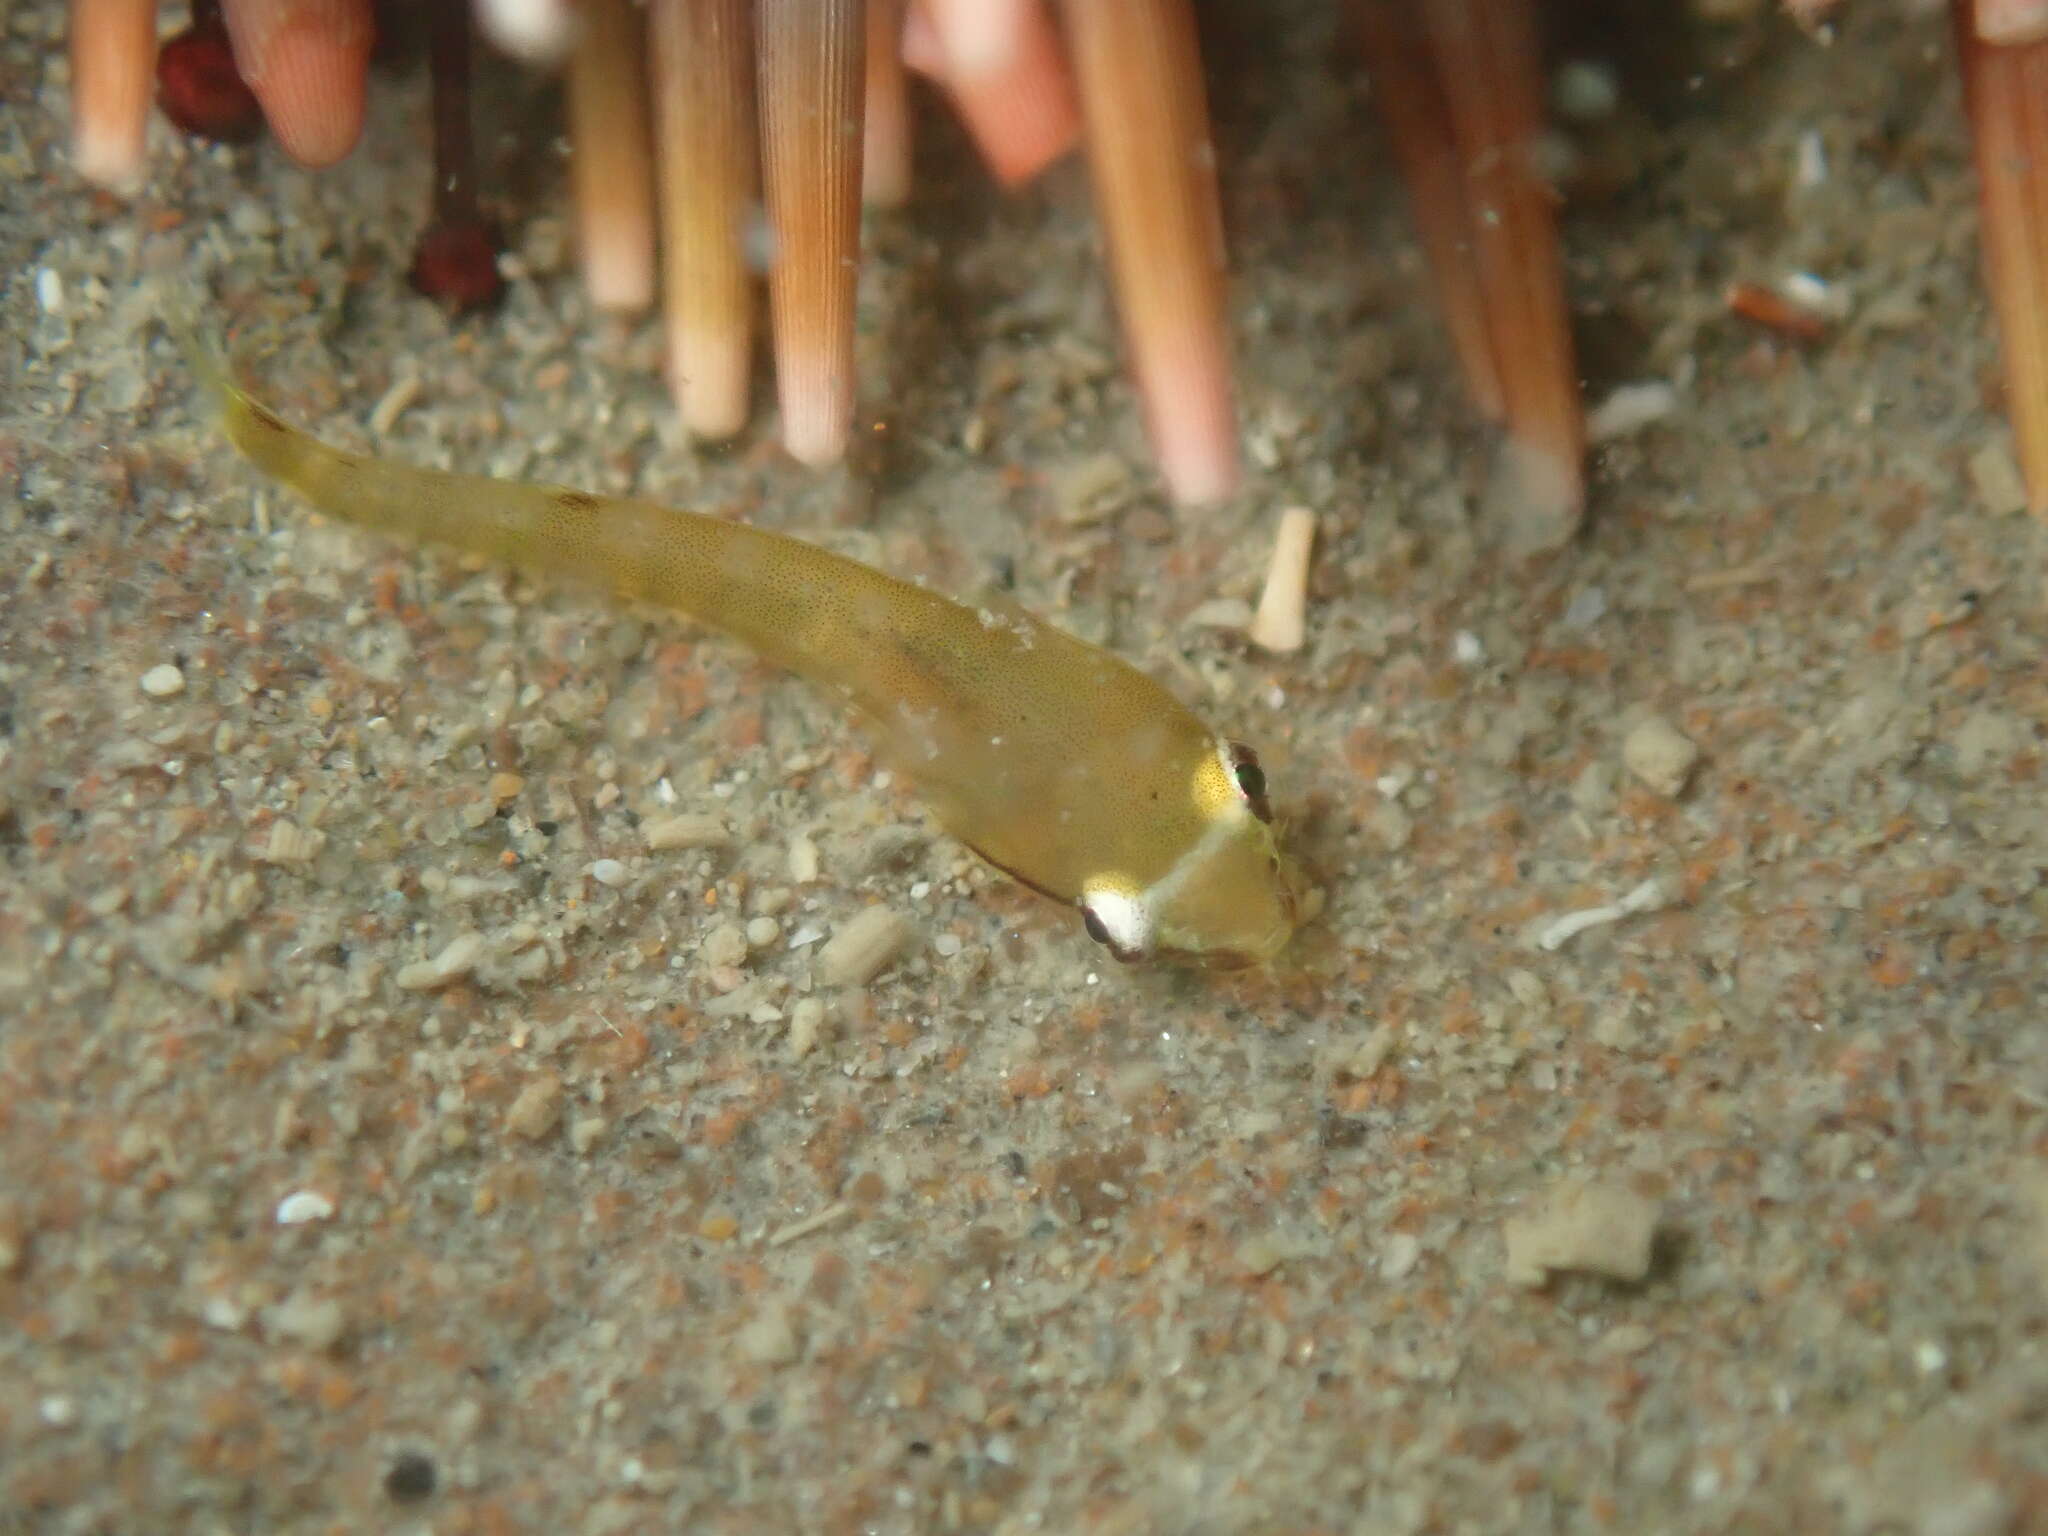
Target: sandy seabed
(422,1102)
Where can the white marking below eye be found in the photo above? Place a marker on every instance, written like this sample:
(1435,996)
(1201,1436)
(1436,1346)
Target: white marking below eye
(1124,917)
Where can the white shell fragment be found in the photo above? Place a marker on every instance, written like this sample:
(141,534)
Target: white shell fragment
(1589,1228)
(807,1023)
(863,947)
(163,682)
(803,859)
(1660,755)
(1629,409)
(725,944)
(771,1338)
(316,1322)
(456,960)
(289,843)
(537,1109)
(302,1206)
(1995,474)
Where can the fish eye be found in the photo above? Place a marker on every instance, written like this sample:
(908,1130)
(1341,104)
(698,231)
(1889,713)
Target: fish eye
(1096,929)
(1251,779)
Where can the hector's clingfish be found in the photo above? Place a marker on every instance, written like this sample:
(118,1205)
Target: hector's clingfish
(1061,765)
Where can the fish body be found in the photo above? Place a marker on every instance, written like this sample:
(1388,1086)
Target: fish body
(1057,762)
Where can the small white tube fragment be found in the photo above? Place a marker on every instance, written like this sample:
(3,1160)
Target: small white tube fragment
(456,960)
(1280,624)
(1629,409)
(685,829)
(805,1226)
(1649,896)
(394,403)
(1572,924)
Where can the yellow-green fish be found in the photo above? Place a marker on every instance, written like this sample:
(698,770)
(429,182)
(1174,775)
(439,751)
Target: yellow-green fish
(1064,767)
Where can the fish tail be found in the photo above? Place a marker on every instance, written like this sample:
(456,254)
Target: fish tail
(534,526)
(817,613)
(205,363)
(299,460)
